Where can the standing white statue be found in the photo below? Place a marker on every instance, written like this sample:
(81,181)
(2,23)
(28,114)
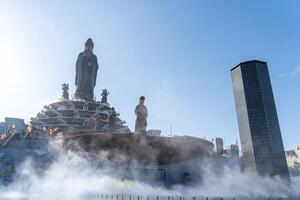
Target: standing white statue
(141,116)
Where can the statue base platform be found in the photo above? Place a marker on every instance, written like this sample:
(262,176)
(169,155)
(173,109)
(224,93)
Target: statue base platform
(76,114)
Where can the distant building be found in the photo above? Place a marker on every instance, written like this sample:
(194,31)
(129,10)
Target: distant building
(230,152)
(218,145)
(293,160)
(3,127)
(153,133)
(16,123)
(261,141)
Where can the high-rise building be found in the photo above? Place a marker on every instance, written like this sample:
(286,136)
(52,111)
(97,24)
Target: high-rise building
(218,145)
(260,134)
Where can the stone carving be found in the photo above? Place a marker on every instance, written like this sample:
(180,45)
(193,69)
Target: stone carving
(65,88)
(86,106)
(104,95)
(86,72)
(141,116)
(82,111)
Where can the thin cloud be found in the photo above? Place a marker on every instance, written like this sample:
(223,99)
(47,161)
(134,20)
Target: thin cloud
(295,72)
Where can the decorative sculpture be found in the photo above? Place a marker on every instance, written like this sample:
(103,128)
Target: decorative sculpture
(65,88)
(86,106)
(86,72)
(104,95)
(141,116)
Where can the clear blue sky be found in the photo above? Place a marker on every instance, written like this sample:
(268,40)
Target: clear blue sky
(176,53)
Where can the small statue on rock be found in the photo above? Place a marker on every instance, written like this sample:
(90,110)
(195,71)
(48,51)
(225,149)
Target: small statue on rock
(113,113)
(104,95)
(65,88)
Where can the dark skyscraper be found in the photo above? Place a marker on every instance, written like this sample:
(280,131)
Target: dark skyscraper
(259,129)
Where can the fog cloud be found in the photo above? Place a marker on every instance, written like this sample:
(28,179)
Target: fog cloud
(75,176)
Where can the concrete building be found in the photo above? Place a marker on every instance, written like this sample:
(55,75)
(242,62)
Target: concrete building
(260,134)
(218,145)
(232,151)
(293,160)
(156,133)
(16,123)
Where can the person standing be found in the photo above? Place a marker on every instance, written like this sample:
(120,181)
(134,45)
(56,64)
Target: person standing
(141,116)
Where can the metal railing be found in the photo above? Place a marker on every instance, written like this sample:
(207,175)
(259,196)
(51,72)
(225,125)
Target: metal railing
(166,197)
